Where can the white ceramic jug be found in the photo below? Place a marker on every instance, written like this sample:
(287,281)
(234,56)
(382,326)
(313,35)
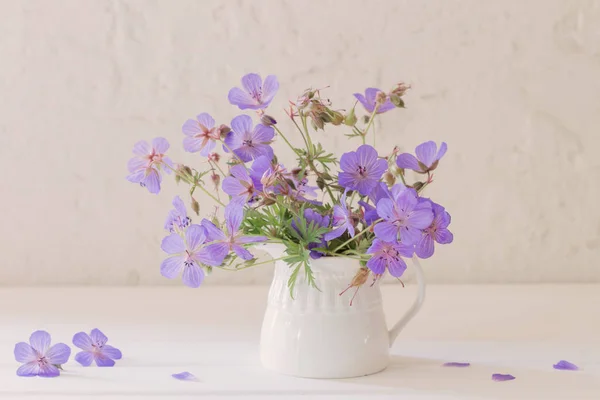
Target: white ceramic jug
(318,334)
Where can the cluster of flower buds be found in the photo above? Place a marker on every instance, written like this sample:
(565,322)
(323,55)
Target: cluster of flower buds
(396,94)
(318,110)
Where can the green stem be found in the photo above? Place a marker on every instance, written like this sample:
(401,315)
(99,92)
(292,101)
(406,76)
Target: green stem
(371,119)
(285,139)
(211,196)
(301,133)
(234,155)
(254,265)
(310,149)
(218,167)
(195,185)
(359,234)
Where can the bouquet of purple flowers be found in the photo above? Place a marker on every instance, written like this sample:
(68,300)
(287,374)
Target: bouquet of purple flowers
(366,211)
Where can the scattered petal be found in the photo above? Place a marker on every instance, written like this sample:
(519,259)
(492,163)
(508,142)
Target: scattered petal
(185,376)
(456,364)
(502,377)
(565,365)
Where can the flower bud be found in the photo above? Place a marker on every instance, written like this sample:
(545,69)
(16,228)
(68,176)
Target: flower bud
(417,185)
(397,101)
(223,130)
(350,118)
(215,157)
(195,206)
(400,89)
(216,179)
(389,178)
(337,119)
(267,120)
(380,98)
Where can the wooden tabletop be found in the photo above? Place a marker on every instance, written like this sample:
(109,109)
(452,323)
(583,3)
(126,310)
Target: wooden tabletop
(213,332)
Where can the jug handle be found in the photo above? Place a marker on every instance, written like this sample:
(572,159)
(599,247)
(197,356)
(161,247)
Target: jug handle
(414,309)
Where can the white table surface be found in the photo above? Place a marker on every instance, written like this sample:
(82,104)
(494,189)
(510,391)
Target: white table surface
(213,332)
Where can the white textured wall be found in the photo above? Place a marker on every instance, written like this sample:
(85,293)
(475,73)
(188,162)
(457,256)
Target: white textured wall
(512,86)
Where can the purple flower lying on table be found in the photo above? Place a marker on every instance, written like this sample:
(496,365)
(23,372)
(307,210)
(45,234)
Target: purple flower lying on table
(370,98)
(456,364)
(388,255)
(145,168)
(404,217)
(201,134)
(185,376)
(38,358)
(187,255)
(177,220)
(362,169)
(249,143)
(436,232)
(565,365)
(342,220)
(502,377)
(222,243)
(427,157)
(95,349)
(256,94)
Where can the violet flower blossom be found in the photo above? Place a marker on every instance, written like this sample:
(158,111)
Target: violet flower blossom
(404,217)
(255,94)
(427,158)
(145,168)
(362,169)
(187,255)
(249,143)
(388,255)
(436,232)
(222,243)
(201,134)
(369,100)
(381,191)
(240,183)
(177,220)
(38,358)
(95,349)
(342,221)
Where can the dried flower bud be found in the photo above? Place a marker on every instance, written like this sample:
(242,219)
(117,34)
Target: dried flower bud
(389,178)
(350,118)
(317,123)
(195,206)
(216,179)
(417,185)
(223,130)
(215,157)
(337,119)
(360,278)
(267,120)
(177,178)
(400,89)
(380,98)
(397,101)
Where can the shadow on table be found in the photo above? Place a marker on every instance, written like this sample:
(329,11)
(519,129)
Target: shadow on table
(429,376)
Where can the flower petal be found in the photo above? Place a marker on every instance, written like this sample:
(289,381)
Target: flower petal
(441,151)
(385,209)
(98,337)
(371,95)
(184,376)
(194,237)
(252,83)
(396,267)
(240,98)
(135,164)
(377,264)
(212,232)
(241,125)
(112,352)
(141,148)
(251,239)
(192,145)
(191,128)
(425,247)
(160,145)
(213,254)
(502,377)
(171,266)
(24,353)
(386,231)
(206,120)
(193,275)
(48,371)
(152,181)
(58,354)
(335,233)
(234,213)
(408,161)
(349,161)
(137,176)
(83,341)
(29,369)
(426,153)
(208,147)
(242,252)
(420,218)
(84,358)
(362,99)
(262,133)
(269,89)
(444,236)
(103,361)
(40,341)
(233,186)
(173,244)
(456,364)
(565,365)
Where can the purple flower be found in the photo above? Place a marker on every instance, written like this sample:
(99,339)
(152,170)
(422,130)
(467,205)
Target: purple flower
(427,157)
(248,143)
(362,169)
(240,184)
(256,94)
(388,255)
(565,365)
(38,358)
(437,231)
(502,377)
(405,217)
(456,364)
(318,220)
(368,101)
(95,349)
(342,221)
(222,243)
(145,168)
(264,173)
(201,134)
(186,255)
(185,376)
(177,220)
(381,191)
